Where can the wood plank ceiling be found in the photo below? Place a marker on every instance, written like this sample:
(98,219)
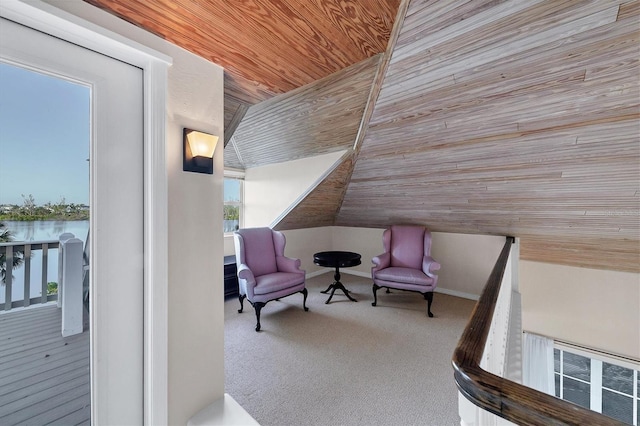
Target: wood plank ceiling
(507,117)
(315,119)
(510,117)
(267,47)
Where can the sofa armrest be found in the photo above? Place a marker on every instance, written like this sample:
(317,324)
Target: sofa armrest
(381,261)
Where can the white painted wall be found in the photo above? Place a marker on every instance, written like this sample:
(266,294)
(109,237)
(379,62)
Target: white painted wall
(270,190)
(303,243)
(596,308)
(196,319)
(467,260)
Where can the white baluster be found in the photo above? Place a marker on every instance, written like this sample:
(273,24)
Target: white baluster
(27,275)
(63,238)
(8,279)
(72,305)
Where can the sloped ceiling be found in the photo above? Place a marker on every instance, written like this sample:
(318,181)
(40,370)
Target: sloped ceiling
(517,118)
(318,118)
(321,206)
(508,117)
(267,47)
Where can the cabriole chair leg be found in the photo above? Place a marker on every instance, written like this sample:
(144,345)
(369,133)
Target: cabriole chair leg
(304,301)
(375,296)
(258,307)
(241,299)
(429,298)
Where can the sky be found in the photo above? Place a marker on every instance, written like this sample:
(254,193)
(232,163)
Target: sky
(44,137)
(231,190)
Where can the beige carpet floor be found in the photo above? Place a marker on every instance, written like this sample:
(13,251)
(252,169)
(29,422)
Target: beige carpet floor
(346,363)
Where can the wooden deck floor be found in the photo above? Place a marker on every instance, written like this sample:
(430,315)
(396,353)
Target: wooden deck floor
(44,377)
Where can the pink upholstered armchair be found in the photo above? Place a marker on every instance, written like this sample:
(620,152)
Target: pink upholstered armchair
(264,273)
(406,263)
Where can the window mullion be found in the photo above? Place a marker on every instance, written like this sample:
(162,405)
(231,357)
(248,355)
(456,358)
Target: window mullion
(561,374)
(636,401)
(596,385)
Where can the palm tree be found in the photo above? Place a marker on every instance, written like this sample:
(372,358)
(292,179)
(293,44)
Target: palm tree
(18,255)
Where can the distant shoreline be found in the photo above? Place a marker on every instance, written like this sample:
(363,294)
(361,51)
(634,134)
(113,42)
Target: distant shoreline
(33,218)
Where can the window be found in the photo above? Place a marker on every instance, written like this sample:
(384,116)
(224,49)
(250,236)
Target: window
(232,218)
(610,387)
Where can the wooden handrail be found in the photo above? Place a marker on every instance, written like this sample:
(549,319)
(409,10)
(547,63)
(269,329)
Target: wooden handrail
(510,400)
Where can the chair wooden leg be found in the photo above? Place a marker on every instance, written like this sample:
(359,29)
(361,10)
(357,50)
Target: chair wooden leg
(241,299)
(258,307)
(375,296)
(429,298)
(304,302)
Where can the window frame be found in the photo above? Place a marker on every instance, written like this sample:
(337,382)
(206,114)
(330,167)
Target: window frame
(236,175)
(596,383)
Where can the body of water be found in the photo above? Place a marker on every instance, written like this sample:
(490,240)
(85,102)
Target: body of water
(40,230)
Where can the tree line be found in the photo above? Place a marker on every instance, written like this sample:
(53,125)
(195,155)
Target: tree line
(29,210)
(231,212)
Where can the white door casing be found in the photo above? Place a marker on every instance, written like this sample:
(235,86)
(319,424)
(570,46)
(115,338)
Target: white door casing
(116,222)
(58,23)
(120,365)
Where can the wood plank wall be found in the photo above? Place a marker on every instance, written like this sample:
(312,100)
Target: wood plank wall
(513,118)
(321,206)
(509,117)
(279,46)
(266,47)
(315,119)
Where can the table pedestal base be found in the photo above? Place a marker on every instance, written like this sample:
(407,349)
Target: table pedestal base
(337,285)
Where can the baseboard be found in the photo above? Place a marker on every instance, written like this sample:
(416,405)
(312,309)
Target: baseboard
(458,293)
(438,289)
(317,273)
(224,411)
(357,273)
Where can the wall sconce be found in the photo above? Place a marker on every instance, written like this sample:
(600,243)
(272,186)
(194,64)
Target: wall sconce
(198,151)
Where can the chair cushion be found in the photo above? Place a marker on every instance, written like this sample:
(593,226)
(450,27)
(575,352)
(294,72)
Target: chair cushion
(403,275)
(407,246)
(269,283)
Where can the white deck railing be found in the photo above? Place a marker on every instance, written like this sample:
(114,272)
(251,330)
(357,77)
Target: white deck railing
(69,278)
(28,248)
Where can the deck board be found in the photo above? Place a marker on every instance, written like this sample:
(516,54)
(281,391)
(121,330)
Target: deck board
(44,377)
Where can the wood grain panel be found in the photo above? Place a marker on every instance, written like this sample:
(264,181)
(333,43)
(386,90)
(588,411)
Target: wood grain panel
(314,119)
(232,123)
(266,47)
(280,45)
(505,117)
(510,118)
(243,91)
(321,206)
(231,158)
(583,252)
(629,10)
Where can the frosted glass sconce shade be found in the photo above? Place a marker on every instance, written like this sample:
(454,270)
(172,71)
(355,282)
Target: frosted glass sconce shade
(198,151)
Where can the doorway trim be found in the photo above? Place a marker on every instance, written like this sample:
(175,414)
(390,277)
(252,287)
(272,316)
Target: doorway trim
(50,20)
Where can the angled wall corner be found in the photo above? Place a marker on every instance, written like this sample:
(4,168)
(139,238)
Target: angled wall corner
(320,206)
(271,191)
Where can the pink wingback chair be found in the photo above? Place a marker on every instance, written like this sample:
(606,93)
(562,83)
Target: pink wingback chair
(264,273)
(406,263)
